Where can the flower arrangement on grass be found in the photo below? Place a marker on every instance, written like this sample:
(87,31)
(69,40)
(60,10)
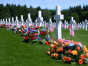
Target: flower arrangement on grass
(37,34)
(69,51)
(31,34)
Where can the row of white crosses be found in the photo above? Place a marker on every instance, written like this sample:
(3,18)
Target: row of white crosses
(86,24)
(58,17)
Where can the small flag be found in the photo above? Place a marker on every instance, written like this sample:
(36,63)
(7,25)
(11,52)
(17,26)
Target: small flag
(52,28)
(71,30)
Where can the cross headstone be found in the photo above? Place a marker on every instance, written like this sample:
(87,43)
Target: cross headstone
(22,20)
(9,20)
(58,17)
(3,21)
(83,24)
(12,21)
(50,23)
(65,24)
(72,22)
(6,21)
(29,19)
(86,23)
(40,18)
(16,21)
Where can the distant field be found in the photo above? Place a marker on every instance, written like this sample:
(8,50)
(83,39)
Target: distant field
(14,52)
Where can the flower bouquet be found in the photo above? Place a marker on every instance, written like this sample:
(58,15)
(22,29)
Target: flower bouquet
(38,34)
(69,51)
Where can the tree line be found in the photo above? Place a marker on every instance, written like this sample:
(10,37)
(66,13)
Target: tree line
(11,10)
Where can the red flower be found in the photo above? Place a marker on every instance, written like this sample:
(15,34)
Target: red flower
(33,38)
(46,32)
(68,59)
(17,29)
(38,27)
(36,34)
(23,27)
(78,48)
(30,34)
(82,57)
(47,43)
(81,61)
(21,30)
(33,34)
(41,33)
(69,51)
(26,38)
(54,46)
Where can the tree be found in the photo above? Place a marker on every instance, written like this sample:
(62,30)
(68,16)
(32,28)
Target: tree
(46,14)
(76,17)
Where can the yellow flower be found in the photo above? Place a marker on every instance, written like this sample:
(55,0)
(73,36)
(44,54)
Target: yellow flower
(74,52)
(84,48)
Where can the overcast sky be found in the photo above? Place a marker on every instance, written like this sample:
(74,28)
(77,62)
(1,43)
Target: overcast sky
(50,4)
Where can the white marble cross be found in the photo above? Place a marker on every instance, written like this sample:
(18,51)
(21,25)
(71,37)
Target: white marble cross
(22,20)
(86,23)
(29,20)
(83,24)
(58,17)
(40,18)
(16,21)
(9,20)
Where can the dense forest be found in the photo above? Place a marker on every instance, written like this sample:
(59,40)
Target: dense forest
(80,13)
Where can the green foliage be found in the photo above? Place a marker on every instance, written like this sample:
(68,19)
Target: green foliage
(76,17)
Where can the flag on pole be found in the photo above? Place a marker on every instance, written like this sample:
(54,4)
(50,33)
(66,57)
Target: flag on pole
(47,25)
(71,30)
(52,28)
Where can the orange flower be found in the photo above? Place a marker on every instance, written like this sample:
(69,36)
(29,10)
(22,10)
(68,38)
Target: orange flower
(66,44)
(59,49)
(55,43)
(84,48)
(54,46)
(51,45)
(78,48)
(82,57)
(76,43)
(52,50)
(86,55)
(64,58)
(81,61)
(48,52)
(60,41)
(74,52)
(56,55)
(87,51)
(52,55)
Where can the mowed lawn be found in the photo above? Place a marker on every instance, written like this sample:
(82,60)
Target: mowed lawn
(14,52)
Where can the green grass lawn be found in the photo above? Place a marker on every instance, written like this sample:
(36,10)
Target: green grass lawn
(14,52)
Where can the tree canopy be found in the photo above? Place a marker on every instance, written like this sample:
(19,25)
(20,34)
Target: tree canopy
(11,10)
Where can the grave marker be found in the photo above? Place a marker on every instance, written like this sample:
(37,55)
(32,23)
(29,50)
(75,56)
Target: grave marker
(58,17)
